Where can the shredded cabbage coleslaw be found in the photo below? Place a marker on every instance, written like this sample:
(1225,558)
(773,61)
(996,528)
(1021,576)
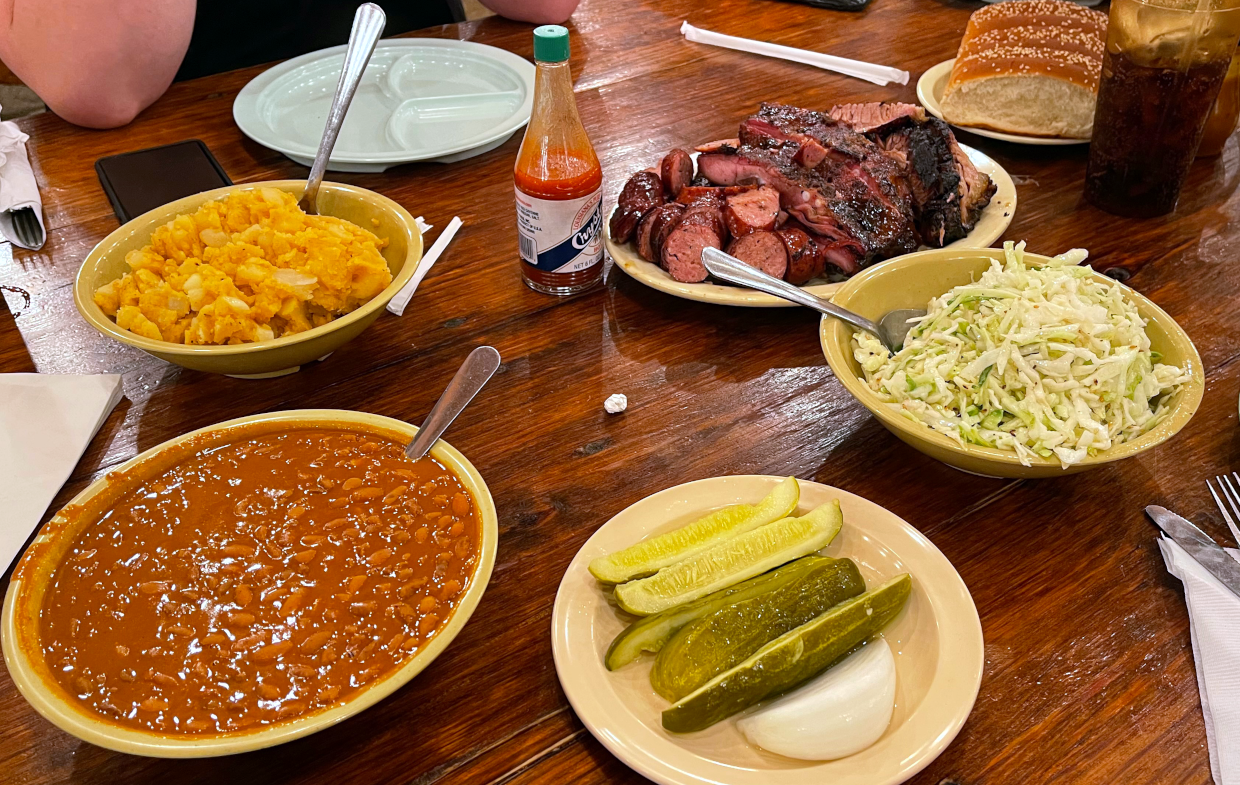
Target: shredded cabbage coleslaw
(1045,361)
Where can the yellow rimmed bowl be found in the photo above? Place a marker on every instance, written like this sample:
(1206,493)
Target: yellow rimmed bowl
(911,282)
(19,627)
(260,359)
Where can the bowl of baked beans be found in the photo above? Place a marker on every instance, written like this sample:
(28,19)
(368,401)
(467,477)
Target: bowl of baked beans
(248,583)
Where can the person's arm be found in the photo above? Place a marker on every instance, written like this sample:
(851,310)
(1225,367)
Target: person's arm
(96,63)
(539,12)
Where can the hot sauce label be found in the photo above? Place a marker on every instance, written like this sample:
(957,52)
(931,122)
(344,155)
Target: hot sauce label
(560,235)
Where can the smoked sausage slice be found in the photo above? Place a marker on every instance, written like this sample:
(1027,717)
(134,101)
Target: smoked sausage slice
(701,227)
(805,260)
(676,171)
(682,252)
(763,250)
(654,227)
(641,194)
(752,211)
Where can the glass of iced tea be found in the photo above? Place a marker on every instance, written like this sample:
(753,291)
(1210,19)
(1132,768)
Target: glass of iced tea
(1165,61)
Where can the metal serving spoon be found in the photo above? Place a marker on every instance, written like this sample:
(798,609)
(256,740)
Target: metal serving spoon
(367,27)
(891,329)
(477,369)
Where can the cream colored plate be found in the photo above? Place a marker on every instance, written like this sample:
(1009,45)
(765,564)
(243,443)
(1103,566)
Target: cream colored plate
(936,639)
(990,227)
(930,92)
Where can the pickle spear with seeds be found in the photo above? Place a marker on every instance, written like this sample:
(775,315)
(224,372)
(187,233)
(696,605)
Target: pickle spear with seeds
(726,638)
(648,556)
(650,633)
(732,561)
(789,660)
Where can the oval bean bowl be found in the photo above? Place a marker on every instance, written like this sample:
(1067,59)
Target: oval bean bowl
(19,624)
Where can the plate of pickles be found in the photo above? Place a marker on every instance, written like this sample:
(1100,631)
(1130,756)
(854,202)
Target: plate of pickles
(752,630)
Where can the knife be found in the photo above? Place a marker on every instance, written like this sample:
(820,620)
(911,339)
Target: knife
(1204,550)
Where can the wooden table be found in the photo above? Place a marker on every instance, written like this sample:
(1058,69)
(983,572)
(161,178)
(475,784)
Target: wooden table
(1089,672)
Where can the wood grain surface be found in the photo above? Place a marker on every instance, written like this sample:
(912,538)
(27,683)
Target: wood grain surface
(1089,674)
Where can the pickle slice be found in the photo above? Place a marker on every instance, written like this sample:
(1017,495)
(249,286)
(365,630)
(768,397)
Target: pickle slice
(728,637)
(790,659)
(648,556)
(651,632)
(732,561)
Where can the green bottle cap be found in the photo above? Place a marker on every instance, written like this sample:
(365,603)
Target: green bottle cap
(551,44)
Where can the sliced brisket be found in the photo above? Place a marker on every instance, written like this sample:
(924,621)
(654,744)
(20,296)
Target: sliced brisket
(948,191)
(834,180)
(877,117)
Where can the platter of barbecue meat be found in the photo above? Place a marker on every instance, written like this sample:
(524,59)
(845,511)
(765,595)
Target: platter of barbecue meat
(810,197)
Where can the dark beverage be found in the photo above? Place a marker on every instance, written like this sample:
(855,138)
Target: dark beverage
(1147,126)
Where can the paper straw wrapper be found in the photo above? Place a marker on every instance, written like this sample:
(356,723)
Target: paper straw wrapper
(398,303)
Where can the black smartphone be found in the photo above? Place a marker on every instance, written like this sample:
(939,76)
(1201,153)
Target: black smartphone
(140,181)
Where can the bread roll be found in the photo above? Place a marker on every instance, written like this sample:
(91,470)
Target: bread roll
(1028,67)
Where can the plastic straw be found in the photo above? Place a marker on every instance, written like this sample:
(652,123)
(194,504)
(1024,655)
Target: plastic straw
(876,74)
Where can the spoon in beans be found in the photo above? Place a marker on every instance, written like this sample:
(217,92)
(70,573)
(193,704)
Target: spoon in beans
(475,372)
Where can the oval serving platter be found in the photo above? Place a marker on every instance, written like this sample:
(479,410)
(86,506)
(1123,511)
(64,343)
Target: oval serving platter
(990,227)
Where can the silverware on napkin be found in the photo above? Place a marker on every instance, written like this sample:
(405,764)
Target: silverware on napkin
(1196,543)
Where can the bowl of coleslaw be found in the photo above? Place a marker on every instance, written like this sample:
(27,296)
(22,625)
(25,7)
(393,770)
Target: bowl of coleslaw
(1025,366)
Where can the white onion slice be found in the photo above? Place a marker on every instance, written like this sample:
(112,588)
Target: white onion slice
(837,714)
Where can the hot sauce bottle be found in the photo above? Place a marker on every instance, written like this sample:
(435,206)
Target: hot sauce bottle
(558,181)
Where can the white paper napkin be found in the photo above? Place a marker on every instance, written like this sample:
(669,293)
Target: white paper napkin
(397,304)
(46,421)
(17,186)
(877,74)
(1214,621)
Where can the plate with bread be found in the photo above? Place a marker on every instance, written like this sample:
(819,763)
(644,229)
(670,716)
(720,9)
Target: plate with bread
(1027,72)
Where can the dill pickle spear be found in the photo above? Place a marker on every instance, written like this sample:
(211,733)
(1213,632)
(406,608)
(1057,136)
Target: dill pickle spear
(648,556)
(727,637)
(732,561)
(650,633)
(792,658)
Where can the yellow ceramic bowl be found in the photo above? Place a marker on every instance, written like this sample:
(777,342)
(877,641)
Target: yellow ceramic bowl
(263,358)
(19,626)
(911,282)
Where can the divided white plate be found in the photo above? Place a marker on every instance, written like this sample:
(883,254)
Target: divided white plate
(930,89)
(936,639)
(990,227)
(421,99)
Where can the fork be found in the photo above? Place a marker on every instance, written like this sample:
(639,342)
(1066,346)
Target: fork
(26,227)
(1230,488)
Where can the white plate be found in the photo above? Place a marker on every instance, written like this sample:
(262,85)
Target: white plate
(990,227)
(936,639)
(930,89)
(421,99)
